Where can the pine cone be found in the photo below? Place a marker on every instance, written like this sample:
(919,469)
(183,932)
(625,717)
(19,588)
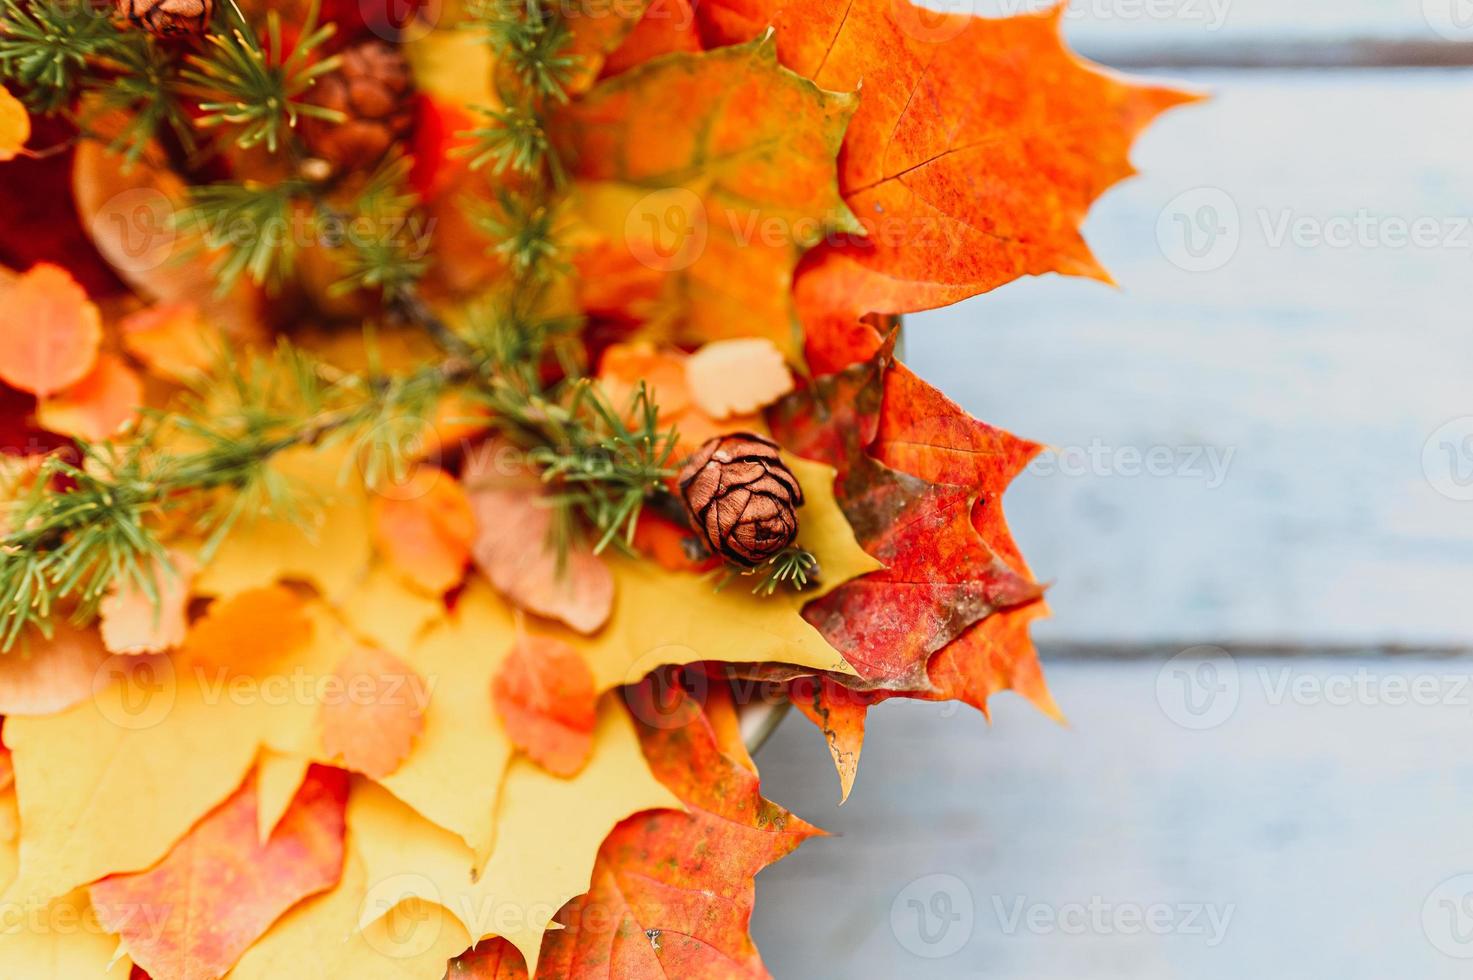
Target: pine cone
(741,498)
(168,18)
(374,89)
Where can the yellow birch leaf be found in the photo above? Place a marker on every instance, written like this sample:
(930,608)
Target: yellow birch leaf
(320,938)
(454,773)
(62,941)
(548,832)
(332,551)
(663,617)
(278,777)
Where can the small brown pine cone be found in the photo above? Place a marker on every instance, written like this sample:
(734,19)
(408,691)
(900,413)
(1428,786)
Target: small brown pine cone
(375,91)
(168,18)
(741,498)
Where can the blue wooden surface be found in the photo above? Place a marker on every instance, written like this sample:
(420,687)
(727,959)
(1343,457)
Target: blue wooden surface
(1316,373)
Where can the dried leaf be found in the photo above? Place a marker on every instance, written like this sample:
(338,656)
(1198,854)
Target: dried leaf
(132,622)
(97,407)
(737,377)
(42,676)
(544,693)
(172,340)
(513,548)
(672,891)
(251,630)
(50,332)
(61,940)
(374,713)
(940,576)
(219,889)
(664,373)
(424,528)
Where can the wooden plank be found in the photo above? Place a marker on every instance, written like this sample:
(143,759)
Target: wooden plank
(1318,830)
(1257,32)
(1291,384)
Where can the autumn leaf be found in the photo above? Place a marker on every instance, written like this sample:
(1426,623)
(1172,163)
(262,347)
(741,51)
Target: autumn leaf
(278,778)
(250,630)
(50,332)
(513,547)
(665,374)
(672,891)
(940,576)
(219,889)
(424,528)
(97,407)
(132,621)
(43,675)
(708,174)
(667,26)
(61,940)
(375,712)
(15,125)
(978,146)
(172,341)
(737,377)
(549,831)
(493,959)
(324,540)
(545,696)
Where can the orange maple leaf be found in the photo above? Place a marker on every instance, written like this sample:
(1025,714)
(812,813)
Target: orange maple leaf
(192,915)
(547,699)
(250,631)
(977,149)
(686,876)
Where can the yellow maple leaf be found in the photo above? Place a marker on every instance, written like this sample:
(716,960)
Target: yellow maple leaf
(62,941)
(278,777)
(662,617)
(548,834)
(326,543)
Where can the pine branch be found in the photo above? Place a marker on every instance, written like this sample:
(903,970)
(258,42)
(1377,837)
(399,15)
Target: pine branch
(258,90)
(48,48)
